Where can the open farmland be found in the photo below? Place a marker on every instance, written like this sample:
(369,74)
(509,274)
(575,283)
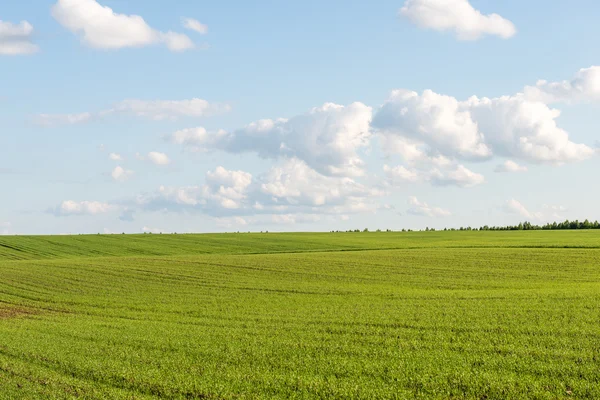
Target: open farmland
(475,315)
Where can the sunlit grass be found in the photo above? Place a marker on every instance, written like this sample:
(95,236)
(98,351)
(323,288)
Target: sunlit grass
(473,315)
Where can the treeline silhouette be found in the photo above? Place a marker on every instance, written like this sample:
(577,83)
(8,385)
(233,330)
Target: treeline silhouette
(523,226)
(554,226)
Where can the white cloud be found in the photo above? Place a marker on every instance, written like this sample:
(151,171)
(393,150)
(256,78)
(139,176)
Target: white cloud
(199,139)
(584,87)
(291,188)
(220,177)
(156,110)
(291,219)
(16,39)
(159,158)
(224,191)
(170,109)
(70,207)
(458,16)
(100,27)
(296,184)
(172,198)
(512,206)
(326,138)
(120,174)
(401,174)
(439,121)
(177,42)
(476,129)
(412,151)
(454,175)
(63,119)
(423,209)
(516,127)
(195,25)
(115,157)
(510,166)
(548,213)
(460,176)
(227,188)
(238,223)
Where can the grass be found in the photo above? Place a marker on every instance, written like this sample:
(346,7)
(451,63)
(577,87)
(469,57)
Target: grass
(474,315)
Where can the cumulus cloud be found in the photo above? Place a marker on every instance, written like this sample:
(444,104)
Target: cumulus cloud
(413,152)
(16,39)
(121,174)
(458,16)
(70,207)
(516,127)
(157,158)
(100,27)
(171,198)
(419,208)
(195,25)
(290,192)
(401,174)
(199,139)
(326,138)
(510,166)
(459,176)
(582,88)
(290,188)
(115,157)
(441,122)
(455,175)
(227,188)
(477,128)
(223,191)
(295,183)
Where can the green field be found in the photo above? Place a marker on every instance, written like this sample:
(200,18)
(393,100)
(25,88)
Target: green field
(449,315)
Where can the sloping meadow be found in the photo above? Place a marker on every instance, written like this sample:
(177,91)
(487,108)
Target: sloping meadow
(471,315)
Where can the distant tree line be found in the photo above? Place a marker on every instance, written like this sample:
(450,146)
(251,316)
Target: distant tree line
(554,226)
(523,226)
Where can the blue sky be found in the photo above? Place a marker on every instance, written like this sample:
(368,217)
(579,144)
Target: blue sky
(117,117)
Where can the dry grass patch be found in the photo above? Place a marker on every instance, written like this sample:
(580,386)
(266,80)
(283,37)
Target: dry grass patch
(8,311)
